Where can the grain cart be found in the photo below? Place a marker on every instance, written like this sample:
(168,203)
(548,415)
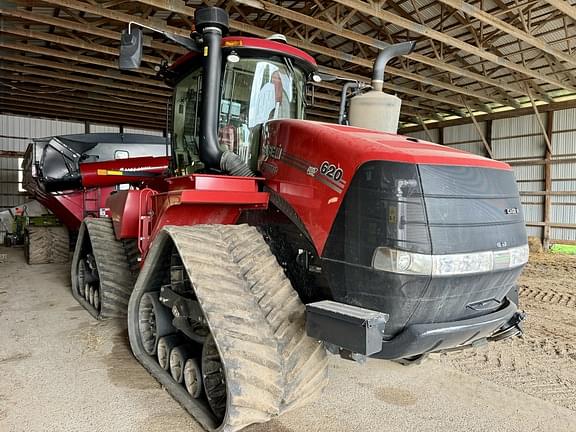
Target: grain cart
(274,238)
(52,175)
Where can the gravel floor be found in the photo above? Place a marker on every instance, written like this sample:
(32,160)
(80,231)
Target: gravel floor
(62,371)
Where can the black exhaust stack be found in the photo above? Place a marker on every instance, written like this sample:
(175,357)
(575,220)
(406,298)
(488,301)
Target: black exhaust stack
(212,23)
(388,53)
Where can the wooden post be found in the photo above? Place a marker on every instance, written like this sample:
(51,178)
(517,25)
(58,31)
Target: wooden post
(489,135)
(426,130)
(548,181)
(487,146)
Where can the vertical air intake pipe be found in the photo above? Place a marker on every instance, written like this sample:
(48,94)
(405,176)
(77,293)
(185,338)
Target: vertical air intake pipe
(212,22)
(342,115)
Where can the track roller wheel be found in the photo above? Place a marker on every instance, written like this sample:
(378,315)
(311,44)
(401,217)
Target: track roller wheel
(165,347)
(82,274)
(96,301)
(214,378)
(178,358)
(100,263)
(91,295)
(193,378)
(155,321)
(256,360)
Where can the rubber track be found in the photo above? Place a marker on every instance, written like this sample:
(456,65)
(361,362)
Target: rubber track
(116,280)
(132,254)
(258,327)
(304,360)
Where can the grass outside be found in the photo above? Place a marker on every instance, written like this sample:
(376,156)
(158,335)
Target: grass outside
(563,249)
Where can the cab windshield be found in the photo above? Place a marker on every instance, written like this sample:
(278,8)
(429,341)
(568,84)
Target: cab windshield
(253,92)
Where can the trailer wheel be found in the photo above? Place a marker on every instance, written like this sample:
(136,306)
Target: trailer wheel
(37,245)
(60,244)
(45,245)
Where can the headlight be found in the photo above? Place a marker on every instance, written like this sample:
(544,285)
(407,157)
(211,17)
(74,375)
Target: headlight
(396,261)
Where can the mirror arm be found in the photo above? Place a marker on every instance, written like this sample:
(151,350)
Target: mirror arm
(185,42)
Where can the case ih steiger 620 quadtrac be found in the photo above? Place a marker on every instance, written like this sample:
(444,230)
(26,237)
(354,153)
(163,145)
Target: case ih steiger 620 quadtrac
(274,239)
(59,172)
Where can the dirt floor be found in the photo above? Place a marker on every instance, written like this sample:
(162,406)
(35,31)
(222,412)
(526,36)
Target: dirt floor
(62,371)
(543,362)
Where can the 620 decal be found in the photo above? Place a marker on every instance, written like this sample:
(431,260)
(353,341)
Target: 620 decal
(331,171)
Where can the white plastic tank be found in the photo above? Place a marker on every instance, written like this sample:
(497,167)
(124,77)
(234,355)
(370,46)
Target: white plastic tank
(375,110)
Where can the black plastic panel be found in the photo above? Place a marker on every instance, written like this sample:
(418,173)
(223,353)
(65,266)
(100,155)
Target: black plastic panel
(383,207)
(472,209)
(423,209)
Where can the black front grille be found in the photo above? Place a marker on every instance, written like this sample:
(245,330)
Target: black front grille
(471,209)
(424,209)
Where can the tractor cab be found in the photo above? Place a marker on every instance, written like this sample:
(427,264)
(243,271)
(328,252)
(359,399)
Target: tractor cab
(261,80)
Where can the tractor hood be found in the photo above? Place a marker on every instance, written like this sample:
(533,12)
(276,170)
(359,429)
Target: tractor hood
(311,163)
(363,145)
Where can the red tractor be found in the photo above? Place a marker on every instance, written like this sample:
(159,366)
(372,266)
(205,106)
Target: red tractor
(274,239)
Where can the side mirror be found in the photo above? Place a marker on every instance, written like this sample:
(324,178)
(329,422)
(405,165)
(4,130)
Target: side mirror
(130,49)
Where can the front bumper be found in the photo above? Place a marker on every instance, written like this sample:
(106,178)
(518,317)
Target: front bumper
(425,338)
(349,330)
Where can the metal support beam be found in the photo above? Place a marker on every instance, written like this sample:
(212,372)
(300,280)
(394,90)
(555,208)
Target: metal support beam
(548,181)
(11,154)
